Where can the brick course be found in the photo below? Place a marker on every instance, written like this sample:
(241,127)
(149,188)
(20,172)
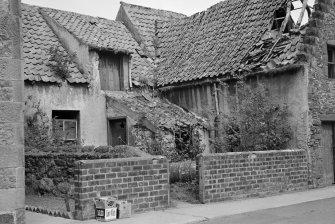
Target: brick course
(142,181)
(251,174)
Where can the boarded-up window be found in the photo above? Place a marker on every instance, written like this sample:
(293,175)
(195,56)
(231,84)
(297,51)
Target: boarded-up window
(113,70)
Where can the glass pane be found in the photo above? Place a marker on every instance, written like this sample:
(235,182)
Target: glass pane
(70,129)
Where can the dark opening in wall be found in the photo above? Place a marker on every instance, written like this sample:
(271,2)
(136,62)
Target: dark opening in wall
(279,17)
(117,132)
(331,61)
(67,121)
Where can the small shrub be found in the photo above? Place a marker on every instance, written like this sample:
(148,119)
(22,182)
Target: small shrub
(256,124)
(40,132)
(60,61)
(180,144)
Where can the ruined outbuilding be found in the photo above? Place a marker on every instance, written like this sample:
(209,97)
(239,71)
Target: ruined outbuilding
(288,45)
(89,93)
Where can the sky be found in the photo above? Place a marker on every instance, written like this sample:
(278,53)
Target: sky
(109,8)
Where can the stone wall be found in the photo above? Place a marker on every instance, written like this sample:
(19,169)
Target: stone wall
(251,174)
(321,89)
(11,115)
(142,181)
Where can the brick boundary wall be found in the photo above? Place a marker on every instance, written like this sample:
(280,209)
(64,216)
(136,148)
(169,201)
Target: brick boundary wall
(229,176)
(142,181)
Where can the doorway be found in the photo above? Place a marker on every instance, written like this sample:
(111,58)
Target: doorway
(117,132)
(327,143)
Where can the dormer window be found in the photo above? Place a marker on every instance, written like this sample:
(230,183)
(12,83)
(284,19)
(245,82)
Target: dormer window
(331,61)
(114,71)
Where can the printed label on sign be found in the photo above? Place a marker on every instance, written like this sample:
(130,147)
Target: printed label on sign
(100,212)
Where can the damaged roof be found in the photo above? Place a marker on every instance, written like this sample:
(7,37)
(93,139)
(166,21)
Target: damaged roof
(159,112)
(37,40)
(144,18)
(97,33)
(227,38)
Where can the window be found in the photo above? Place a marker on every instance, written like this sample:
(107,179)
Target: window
(117,132)
(331,61)
(67,123)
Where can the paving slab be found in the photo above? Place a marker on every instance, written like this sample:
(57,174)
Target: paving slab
(185,214)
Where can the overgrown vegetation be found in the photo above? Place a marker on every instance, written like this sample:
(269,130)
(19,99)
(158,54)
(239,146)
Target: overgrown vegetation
(185,191)
(255,124)
(60,61)
(40,132)
(180,144)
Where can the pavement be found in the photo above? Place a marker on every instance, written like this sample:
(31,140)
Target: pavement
(188,213)
(320,212)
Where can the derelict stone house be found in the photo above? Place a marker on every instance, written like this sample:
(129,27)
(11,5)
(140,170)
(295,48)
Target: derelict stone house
(257,39)
(98,101)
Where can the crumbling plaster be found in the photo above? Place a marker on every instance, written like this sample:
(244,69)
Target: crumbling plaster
(88,99)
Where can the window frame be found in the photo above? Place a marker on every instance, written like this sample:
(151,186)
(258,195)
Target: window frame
(74,116)
(331,64)
(109,129)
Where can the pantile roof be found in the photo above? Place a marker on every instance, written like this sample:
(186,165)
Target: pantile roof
(37,40)
(97,33)
(221,40)
(144,19)
(104,34)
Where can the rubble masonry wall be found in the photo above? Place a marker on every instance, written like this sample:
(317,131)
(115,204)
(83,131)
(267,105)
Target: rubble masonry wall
(321,89)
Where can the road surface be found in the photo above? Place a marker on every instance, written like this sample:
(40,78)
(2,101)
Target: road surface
(316,212)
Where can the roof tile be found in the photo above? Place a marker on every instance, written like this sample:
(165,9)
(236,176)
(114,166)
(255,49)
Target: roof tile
(215,42)
(37,40)
(144,19)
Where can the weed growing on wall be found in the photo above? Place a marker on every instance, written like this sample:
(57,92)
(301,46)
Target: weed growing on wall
(256,124)
(60,61)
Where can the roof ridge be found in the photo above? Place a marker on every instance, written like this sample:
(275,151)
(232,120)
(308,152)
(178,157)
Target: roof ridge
(71,12)
(150,8)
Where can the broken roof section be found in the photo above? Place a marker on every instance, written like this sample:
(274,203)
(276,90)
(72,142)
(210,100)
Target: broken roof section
(141,23)
(96,33)
(152,112)
(230,37)
(37,40)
